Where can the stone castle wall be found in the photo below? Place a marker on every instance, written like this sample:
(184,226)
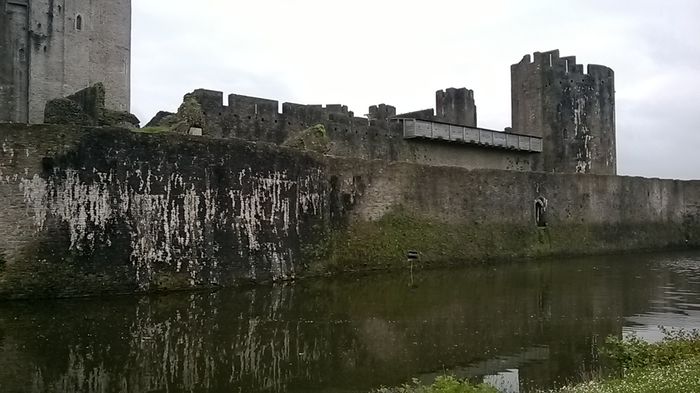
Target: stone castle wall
(572,111)
(53,48)
(110,211)
(259,119)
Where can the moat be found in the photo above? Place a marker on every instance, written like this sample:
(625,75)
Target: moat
(520,326)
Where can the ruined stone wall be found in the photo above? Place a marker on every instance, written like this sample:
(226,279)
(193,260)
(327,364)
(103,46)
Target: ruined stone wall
(115,211)
(572,110)
(104,211)
(258,119)
(67,46)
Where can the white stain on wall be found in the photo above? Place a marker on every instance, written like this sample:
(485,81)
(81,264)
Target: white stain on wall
(177,225)
(582,132)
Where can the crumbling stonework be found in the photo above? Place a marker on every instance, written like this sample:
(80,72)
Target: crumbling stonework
(87,108)
(189,119)
(312,139)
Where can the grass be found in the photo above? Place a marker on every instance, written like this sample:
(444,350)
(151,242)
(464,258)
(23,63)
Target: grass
(672,365)
(680,377)
(444,384)
(669,366)
(152,130)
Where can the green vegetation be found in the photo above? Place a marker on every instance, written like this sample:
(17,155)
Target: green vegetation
(445,384)
(382,244)
(683,376)
(633,353)
(672,365)
(669,366)
(362,244)
(152,130)
(313,139)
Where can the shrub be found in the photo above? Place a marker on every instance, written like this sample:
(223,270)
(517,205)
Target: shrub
(444,384)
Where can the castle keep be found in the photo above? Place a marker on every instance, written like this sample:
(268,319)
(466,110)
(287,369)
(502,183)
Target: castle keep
(53,48)
(563,121)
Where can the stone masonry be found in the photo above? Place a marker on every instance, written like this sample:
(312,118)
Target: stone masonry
(570,112)
(52,48)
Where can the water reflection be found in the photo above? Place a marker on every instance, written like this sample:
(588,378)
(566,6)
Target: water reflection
(676,305)
(522,326)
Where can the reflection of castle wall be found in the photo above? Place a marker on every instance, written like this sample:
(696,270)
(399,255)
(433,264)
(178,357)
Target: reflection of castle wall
(327,334)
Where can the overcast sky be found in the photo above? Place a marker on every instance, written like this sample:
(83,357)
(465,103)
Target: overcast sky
(360,53)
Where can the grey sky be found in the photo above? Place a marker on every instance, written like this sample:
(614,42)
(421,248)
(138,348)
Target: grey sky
(361,53)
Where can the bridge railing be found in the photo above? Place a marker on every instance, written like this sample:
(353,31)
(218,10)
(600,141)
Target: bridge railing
(421,129)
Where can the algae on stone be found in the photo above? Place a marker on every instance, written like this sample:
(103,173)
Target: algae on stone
(312,139)
(189,115)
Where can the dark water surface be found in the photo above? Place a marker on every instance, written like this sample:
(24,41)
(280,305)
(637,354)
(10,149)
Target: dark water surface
(519,326)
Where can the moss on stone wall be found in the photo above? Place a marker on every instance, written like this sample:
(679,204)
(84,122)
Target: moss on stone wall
(383,244)
(313,139)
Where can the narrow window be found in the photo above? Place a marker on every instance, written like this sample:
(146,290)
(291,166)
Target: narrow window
(78,22)
(541,212)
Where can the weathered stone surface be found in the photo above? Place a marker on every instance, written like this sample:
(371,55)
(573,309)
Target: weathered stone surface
(66,111)
(109,211)
(456,106)
(572,110)
(313,139)
(119,119)
(553,99)
(87,107)
(190,112)
(105,211)
(91,100)
(65,56)
(189,118)
(162,119)
(257,119)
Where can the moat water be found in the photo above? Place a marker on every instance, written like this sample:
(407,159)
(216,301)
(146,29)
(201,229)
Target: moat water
(518,326)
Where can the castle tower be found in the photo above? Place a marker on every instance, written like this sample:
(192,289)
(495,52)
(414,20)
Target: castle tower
(53,48)
(456,106)
(573,111)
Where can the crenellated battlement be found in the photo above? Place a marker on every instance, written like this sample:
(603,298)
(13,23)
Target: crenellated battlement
(562,65)
(571,107)
(564,106)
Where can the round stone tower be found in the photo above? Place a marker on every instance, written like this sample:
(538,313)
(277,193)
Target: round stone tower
(573,111)
(53,48)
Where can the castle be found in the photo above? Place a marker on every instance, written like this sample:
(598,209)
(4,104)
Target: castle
(53,48)
(563,118)
(563,121)
(91,208)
